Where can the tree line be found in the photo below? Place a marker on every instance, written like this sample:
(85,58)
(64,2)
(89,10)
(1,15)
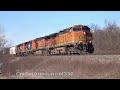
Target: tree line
(106,40)
(4,42)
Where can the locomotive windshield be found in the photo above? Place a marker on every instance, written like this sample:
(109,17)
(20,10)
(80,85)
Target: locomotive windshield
(86,28)
(76,29)
(81,28)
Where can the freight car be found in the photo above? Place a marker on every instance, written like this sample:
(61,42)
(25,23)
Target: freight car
(12,50)
(75,39)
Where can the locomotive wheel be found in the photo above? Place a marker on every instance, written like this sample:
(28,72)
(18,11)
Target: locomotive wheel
(91,50)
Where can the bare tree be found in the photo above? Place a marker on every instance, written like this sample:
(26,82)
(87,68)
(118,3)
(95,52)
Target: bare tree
(96,30)
(106,39)
(112,31)
(94,27)
(3,40)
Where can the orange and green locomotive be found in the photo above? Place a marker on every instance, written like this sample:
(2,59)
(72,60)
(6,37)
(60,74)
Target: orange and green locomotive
(75,39)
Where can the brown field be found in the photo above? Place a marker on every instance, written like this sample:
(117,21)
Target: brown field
(61,67)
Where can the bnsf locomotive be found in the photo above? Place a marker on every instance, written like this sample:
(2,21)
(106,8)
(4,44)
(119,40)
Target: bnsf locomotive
(76,39)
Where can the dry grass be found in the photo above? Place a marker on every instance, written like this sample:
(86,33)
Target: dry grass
(62,67)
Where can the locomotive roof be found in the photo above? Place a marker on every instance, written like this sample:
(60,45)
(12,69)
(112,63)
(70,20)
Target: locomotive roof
(24,42)
(51,35)
(47,37)
(39,38)
(64,30)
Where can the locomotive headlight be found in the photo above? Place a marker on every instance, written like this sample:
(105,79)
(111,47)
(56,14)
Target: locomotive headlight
(84,33)
(73,41)
(90,41)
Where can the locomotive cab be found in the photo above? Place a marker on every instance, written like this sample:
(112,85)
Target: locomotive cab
(83,38)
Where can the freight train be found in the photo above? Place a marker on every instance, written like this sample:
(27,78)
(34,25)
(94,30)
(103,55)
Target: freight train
(73,40)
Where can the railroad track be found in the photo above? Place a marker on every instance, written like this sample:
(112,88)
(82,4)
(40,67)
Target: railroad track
(73,54)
